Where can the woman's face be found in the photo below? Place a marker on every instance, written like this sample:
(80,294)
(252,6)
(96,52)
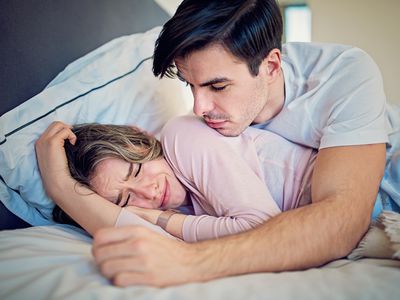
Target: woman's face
(149,185)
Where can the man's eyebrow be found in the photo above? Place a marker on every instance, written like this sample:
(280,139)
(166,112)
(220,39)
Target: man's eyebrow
(214,81)
(207,83)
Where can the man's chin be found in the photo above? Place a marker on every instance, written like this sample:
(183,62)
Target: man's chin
(228,132)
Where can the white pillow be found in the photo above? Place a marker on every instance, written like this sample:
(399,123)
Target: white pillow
(113,84)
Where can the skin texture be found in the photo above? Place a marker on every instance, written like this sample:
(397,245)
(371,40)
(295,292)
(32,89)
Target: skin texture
(58,182)
(94,211)
(226,95)
(154,185)
(146,191)
(344,187)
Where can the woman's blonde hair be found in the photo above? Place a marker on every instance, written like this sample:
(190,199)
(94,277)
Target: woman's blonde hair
(97,142)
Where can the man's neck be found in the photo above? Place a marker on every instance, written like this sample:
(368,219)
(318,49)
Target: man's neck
(275,101)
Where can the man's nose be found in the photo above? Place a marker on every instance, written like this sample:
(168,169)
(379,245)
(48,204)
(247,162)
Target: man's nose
(203,103)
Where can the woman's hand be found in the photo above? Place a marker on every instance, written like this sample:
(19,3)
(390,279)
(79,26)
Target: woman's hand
(51,156)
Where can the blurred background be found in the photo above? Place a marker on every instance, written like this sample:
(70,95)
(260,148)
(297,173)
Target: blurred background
(39,38)
(369,24)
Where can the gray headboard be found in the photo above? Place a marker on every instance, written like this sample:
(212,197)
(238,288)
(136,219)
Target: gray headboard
(39,38)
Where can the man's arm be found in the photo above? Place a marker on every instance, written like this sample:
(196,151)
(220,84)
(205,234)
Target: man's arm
(344,187)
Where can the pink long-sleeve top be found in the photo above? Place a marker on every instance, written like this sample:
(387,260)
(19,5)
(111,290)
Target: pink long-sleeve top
(235,183)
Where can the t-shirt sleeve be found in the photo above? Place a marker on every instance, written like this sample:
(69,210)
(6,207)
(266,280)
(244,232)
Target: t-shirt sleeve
(353,111)
(223,175)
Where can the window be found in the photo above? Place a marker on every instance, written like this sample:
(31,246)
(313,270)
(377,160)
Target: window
(297,23)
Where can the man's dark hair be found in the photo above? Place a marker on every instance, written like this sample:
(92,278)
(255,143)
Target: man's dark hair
(249,29)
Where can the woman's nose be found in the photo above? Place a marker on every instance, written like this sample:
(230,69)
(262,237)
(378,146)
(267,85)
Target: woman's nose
(146,191)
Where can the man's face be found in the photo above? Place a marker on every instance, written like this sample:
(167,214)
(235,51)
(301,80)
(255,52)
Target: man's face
(225,94)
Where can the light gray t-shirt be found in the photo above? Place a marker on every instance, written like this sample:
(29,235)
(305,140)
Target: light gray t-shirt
(334,96)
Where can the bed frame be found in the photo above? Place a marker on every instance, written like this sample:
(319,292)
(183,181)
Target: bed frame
(40,38)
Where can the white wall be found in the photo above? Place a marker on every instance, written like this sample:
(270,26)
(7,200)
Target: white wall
(369,24)
(169,6)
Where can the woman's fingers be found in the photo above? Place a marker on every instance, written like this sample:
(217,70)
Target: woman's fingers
(59,131)
(54,127)
(63,134)
(51,157)
(55,134)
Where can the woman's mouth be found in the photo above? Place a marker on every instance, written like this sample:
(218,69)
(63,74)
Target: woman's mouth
(166,194)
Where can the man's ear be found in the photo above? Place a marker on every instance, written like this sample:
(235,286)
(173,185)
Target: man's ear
(271,64)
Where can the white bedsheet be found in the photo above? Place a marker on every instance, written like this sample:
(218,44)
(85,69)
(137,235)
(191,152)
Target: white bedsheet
(55,262)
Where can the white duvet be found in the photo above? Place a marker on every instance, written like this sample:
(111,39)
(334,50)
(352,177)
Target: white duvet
(55,262)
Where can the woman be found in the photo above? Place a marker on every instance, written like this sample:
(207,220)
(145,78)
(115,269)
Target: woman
(231,184)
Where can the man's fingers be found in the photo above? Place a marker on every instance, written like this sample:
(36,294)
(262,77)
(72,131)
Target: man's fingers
(128,272)
(113,235)
(128,248)
(112,267)
(126,279)
(119,242)
(133,255)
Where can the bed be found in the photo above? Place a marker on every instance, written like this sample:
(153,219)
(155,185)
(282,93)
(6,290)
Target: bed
(91,61)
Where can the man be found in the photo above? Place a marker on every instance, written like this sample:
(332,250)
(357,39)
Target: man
(329,97)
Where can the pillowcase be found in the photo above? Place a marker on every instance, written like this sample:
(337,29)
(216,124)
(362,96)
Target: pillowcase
(112,84)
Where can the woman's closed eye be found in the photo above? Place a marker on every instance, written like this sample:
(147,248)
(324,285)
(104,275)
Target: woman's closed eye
(134,170)
(127,200)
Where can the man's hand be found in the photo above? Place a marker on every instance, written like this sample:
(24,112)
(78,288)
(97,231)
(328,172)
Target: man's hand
(134,255)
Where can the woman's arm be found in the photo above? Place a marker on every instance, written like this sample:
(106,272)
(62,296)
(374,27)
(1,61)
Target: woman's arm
(205,227)
(174,225)
(87,208)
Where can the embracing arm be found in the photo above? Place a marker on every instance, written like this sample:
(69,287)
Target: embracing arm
(345,185)
(344,188)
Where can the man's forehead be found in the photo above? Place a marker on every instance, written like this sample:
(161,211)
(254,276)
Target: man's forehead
(209,64)
(186,72)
